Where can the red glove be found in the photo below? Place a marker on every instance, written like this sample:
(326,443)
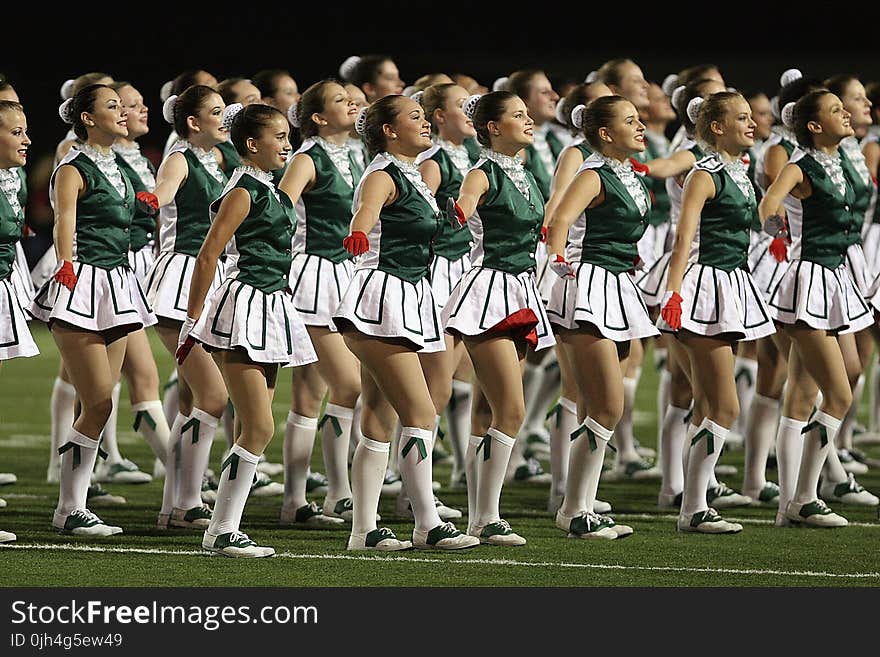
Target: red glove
(65,275)
(356,243)
(779,249)
(454,213)
(746,159)
(561,267)
(639,167)
(544,234)
(147,202)
(671,311)
(27,231)
(185,342)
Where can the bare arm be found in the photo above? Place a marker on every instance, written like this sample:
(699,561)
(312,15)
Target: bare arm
(474,187)
(170,176)
(68,186)
(233,210)
(430,171)
(790,181)
(674,165)
(698,187)
(298,177)
(378,190)
(774,160)
(566,168)
(872,158)
(582,191)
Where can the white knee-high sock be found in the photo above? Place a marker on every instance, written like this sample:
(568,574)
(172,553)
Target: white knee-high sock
(703,454)
(171,398)
(367,474)
(414,462)
(299,439)
(228,418)
(61,406)
(562,426)
(746,374)
(545,394)
(584,467)
(845,435)
(624,438)
(77,460)
(172,466)
(690,432)
(149,421)
(356,434)
(458,423)
(109,442)
(759,435)
(819,437)
(833,469)
(662,405)
(236,477)
(335,435)
(789,448)
(874,416)
(492,458)
(472,473)
(393,452)
(672,438)
(532,377)
(196,436)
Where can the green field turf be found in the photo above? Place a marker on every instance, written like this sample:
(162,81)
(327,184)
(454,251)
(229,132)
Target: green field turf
(656,555)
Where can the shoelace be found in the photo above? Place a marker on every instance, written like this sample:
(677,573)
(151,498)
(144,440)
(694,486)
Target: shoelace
(241,537)
(86,515)
(504,525)
(386,533)
(822,506)
(449,528)
(852,484)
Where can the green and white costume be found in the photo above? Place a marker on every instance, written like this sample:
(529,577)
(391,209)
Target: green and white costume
(142,176)
(107,294)
(856,171)
(183,225)
(602,246)
(15,337)
(718,294)
(452,246)
(653,243)
(499,293)
(321,269)
(13,183)
(390,295)
(871,230)
(816,287)
(253,309)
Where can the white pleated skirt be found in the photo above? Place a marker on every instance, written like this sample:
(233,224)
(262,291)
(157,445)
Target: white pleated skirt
(20,277)
(445,274)
(488,300)
(610,302)
(318,285)
(141,262)
(168,281)
(15,336)
(382,305)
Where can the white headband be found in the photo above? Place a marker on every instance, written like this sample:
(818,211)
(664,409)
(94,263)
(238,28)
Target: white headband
(67,89)
(361,121)
(470,105)
(168,108)
(292,115)
(500,84)
(577,116)
(229,113)
(165,91)
(670,82)
(64,111)
(346,69)
(693,108)
(788,115)
(789,75)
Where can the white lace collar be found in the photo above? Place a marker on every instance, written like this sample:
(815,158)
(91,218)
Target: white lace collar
(854,152)
(412,173)
(458,154)
(513,167)
(106,163)
(137,161)
(626,175)
(832,166)
(208,160)
(263,176)
(339,156)
(10,183)
(737,169)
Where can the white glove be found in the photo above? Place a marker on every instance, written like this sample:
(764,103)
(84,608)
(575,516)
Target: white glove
(560,266)
(185,330)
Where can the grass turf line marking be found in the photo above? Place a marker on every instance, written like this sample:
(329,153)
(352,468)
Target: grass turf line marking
(478,562)
(744,521)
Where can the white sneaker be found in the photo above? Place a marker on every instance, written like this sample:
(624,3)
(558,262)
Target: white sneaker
(381,540)
(443,537)
(198,517)
(723,496)
(850,464)
(341,509)
(392,483)
(725,470)
(847,492)
(309,516)
(458,480)
(97,496)
(209,489)
(268,468)
(633,470)
(234,544)
(403,507)
(531,472)
(586,526)
(814,514)
(262,486)
(601,507)
(7,478)
(2,503)
(734,441)
(497,532)
(669,500)
(707,522)
(7,537)
(121,472)
(82,522)
(767,496)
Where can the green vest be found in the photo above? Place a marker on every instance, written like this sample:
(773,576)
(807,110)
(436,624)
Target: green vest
(451,243)
(262,241)
(511,225)
(404,233)
(231,158)
(659,213)
(862,200)
(11,227)
(725,220)
(103,219)
(828,217)
(327,208)
(142,224)
(192,201)
(473,148)
(614,227)
(23,190)
(535,165)
(756,224)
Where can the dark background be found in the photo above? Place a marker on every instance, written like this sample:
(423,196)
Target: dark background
(752,45)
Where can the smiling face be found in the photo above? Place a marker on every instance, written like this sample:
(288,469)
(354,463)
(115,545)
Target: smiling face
(14,141)
(832,119)
(514,127)
(270,149)
(108,115)
(856,102)
(541,100)
(340,110)
(625,133)
(451,119)
(659,107)
(762,115)
(286,93)
(136,112)
(735,132)
(410,133)
(206,127)
(633,85)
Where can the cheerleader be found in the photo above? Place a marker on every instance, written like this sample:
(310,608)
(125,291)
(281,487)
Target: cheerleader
(188,180)
(711,301)
(354,142)
(176,87)
(90,308)
(320,182)
(388,319)
(249,323)
(495,307)
(234,90)
(815,300)
(277,88)
(16,337)
(70,88)
(376,76)
(594,304)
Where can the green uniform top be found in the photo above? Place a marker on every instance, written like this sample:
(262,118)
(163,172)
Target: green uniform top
(184,223)
(142,224)
(726,218)
(753,177)
(324,215)
(103,217)
(536,167)
(400,241)
(259,252)
(473,148)
(231,158)
(863,192)
(507,227)
(828,215)
(660,203)
(607,235)
(451,243)
(11,228)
